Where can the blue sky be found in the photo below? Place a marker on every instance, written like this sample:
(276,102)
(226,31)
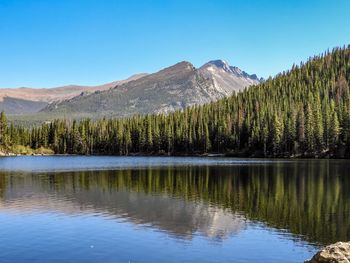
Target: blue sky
(45,43)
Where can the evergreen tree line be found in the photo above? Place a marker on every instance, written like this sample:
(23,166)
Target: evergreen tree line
(304,111)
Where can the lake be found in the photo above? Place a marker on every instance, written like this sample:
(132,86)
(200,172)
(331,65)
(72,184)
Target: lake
(170,209)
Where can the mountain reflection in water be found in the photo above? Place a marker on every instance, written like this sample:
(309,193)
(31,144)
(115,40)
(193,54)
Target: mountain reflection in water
(309,199)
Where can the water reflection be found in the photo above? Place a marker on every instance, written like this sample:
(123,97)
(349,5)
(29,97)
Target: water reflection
(307,198)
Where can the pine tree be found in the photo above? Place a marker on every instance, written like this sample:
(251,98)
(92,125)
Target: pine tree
(334,131)
(4,139)
(277,132)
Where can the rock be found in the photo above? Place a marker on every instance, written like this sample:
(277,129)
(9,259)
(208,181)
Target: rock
(335,253)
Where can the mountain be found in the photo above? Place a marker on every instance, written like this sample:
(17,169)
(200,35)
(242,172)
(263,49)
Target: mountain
(226,78)
(168,90)
(30,100)
(14,105)
(302,112)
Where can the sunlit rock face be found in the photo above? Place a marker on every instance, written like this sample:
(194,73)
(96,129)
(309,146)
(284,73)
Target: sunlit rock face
(335,253)
(226,79)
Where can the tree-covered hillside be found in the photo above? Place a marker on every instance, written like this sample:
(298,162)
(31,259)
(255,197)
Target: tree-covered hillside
(302,112)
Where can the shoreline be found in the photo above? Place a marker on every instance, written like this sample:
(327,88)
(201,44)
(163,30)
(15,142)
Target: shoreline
(212,155)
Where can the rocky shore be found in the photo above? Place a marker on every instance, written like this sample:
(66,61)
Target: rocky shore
(335,253)
(18,150)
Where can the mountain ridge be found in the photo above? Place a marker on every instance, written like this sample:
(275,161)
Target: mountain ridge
(173,88)
(52,94)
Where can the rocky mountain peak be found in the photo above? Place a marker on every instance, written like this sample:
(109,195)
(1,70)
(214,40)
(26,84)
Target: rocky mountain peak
(221,67)
(221,64)
(183,66)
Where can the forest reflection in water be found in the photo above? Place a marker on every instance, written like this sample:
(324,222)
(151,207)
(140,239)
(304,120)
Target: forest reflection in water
(309,198)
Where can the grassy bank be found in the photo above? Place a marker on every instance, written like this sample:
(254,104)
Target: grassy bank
(24,150)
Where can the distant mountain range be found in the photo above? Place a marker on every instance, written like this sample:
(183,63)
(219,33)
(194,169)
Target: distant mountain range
(28,100)
(170,89)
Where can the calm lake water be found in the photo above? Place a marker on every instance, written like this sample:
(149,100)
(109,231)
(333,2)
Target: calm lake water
(136,209)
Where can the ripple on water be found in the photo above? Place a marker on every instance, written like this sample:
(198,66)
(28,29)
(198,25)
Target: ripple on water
(183,212)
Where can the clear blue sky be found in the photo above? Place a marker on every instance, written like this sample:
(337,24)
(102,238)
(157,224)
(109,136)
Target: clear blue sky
(45,43)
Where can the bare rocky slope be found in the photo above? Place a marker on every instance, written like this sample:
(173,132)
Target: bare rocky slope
(170,89)
(30,100)
(335,253)
(173,88)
